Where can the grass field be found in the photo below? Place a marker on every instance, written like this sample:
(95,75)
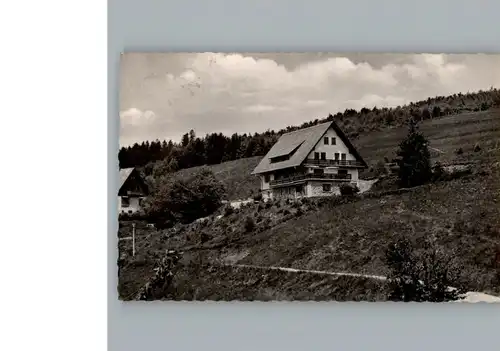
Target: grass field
(463,215)
(445,134)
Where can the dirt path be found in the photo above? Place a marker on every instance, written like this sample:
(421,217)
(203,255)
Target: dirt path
(295,270)
(471,296)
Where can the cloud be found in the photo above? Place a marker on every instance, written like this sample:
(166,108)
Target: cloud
(136,125)
(212,92)
(135,117)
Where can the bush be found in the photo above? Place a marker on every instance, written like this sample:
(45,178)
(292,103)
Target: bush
(436,111)
(477,148)
(426,114)
(425,276)
(135,216)
(249,224)
(348,189)
(258,197)
(185,200)
(459,151)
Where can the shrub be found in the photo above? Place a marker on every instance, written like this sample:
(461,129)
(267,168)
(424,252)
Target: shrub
(436,111)
(348,189)
(249,224)
(425,276)
(134,216)
(459,151)
(477,148)
(258,197)
(426,114)
(185,200)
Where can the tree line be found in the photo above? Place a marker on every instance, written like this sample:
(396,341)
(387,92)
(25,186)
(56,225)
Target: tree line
(166,156)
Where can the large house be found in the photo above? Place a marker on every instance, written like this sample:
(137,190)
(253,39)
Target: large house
(309,162)
(132,191)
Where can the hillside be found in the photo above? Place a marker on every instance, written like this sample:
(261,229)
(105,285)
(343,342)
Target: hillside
(327,235)
(446,135)
(349,237)
(235,175)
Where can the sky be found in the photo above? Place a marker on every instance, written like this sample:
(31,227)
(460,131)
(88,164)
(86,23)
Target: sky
(164,95)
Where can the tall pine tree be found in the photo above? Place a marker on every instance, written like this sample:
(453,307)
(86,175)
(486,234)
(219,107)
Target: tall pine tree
(414,158)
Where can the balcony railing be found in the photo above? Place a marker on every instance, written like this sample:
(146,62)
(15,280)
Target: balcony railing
(311,161)
(311,176)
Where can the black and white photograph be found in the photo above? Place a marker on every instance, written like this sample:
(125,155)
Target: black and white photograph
(309,177)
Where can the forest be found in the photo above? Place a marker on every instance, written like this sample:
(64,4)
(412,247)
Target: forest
(160,157)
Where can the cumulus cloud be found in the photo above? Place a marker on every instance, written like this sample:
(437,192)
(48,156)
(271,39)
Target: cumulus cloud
(165,95)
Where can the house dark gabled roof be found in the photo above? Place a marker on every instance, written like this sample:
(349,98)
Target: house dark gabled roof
(124,174)
(292,148)
(135,178)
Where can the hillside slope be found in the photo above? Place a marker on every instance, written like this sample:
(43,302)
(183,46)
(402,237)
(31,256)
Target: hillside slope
(463,215)
(446,135)
(235,175)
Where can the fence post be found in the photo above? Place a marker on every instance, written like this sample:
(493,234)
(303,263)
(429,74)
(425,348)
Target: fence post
(133,239)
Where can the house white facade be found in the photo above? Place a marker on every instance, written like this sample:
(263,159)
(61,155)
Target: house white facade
(132,191)
(309,162)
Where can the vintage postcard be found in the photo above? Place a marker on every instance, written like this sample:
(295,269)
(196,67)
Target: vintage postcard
(309,176)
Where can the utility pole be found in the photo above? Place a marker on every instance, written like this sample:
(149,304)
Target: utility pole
(133,239)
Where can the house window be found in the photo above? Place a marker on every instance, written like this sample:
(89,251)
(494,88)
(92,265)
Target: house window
(342,171)
(319,171)
(334,141)
(279,158)
(267,178)
(299,189)
(327,188)
(125,202)
(343,157)
(316,155)
(323,155)
(325,140)
(337,155)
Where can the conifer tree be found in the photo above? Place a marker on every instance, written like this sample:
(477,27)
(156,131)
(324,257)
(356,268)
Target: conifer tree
(414,159)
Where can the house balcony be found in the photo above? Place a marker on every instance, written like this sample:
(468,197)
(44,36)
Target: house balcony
(336,163)
(298,179)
